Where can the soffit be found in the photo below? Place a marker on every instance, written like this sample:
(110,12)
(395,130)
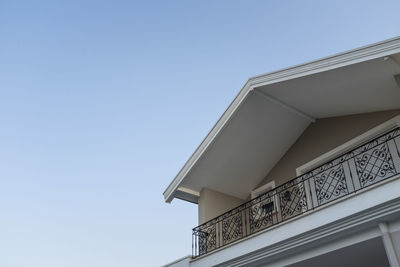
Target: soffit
(272,111)
(247,149)
(360,88)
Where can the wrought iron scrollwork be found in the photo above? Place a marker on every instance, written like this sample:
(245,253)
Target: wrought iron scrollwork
(292,199)
(261,212)
(374,165)
(330,184)
(232,228)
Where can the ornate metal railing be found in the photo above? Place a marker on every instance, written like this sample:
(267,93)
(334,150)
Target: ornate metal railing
(364,166)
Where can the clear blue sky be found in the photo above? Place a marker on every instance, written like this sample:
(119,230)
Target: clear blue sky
(102,102)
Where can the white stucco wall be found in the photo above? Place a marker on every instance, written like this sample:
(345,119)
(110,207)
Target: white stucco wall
(212,204)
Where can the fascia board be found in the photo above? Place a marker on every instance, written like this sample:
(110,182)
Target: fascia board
(381,49)
(365,53)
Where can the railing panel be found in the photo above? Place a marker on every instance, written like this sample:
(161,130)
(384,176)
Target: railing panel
(292,199)
(232,228)
(364,166)
(330,184)
(262,211)
(374,165)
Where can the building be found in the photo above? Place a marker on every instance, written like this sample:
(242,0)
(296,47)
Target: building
(303,168)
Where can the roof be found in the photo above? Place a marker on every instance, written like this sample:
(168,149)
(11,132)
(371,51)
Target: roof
(272,110)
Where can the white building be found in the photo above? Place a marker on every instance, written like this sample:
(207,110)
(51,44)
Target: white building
(303,168)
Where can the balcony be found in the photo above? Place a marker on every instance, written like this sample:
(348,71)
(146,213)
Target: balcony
(373,162)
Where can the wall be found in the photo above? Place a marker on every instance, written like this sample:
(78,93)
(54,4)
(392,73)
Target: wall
(322,136)
(318,138)
(213,204)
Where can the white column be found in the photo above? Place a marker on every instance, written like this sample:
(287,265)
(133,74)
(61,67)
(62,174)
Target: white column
(388,243)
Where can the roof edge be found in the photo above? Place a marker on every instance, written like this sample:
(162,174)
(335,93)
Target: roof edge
(365,53)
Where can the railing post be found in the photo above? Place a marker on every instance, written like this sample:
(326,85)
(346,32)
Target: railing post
(192,243)
(348,177)
(354,174)
(219,236)
(243,226)
(307,192)
(394,146)
(195,245)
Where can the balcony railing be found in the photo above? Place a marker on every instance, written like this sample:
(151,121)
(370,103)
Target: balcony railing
(364,166)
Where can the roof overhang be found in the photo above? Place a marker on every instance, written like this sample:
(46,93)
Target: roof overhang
(272,110)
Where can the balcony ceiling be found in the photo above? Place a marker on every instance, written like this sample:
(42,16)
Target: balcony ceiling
(272,110)
(370,253)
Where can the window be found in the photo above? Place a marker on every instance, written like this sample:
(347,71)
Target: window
(263,189)
(269,203)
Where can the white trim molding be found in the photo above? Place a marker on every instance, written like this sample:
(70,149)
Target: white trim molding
(181,262)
